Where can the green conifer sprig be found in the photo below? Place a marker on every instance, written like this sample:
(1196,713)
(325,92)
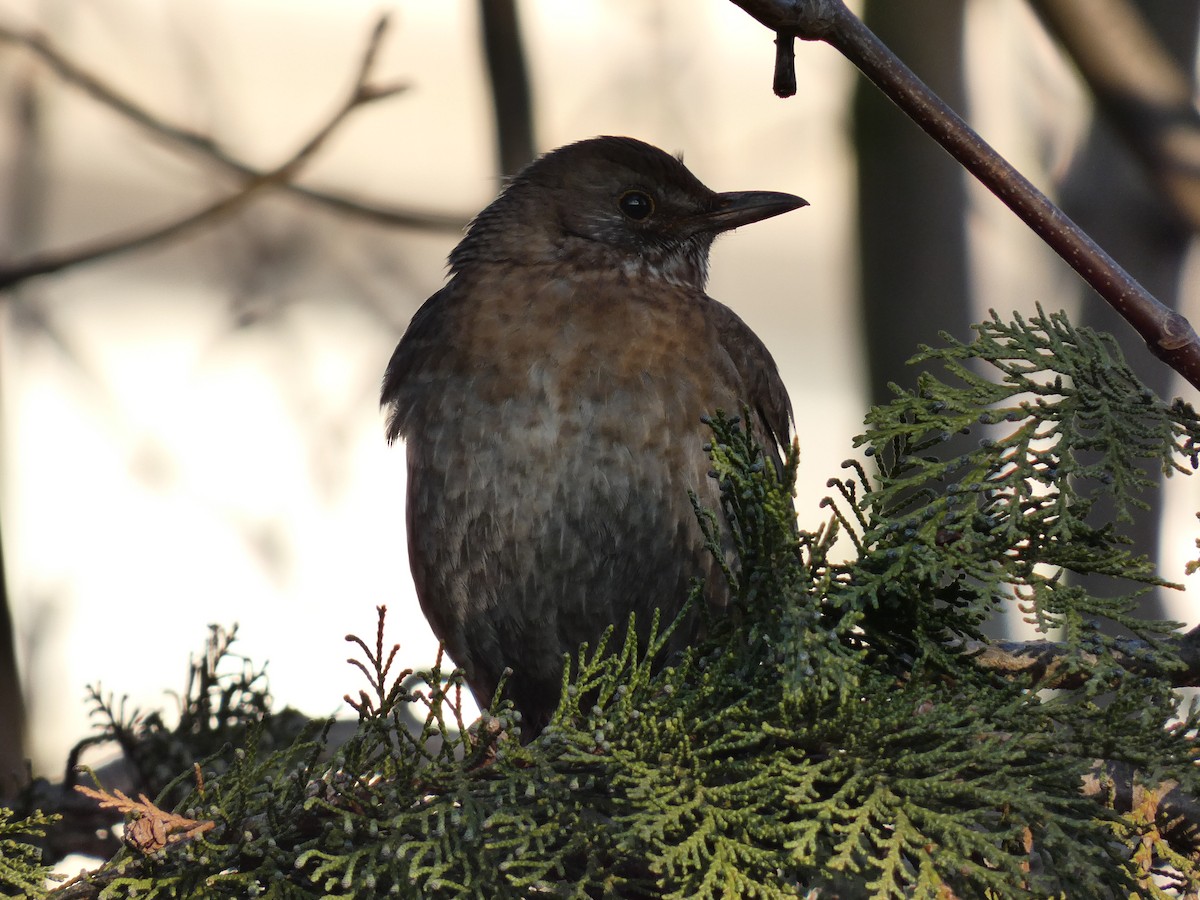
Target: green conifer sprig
(777,616)
(22,873)
(1008,517)
(831,736)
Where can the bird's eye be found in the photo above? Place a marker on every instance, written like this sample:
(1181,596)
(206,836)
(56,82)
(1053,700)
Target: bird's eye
(636,204)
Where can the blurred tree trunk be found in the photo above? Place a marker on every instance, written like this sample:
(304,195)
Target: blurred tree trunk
(911,197)
(12,704)
(27,213)
(504,54)
(1109,193)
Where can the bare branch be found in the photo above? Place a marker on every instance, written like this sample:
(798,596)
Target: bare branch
(360,94)
(203,146)
(1168,334)
(1046,662)
(1144,94)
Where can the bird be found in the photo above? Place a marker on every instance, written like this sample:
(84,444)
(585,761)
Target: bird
(551,397)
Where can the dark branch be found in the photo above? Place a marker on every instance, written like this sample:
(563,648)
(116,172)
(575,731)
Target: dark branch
(784,84)
(1046,663)
(1168,335)
(1175,814)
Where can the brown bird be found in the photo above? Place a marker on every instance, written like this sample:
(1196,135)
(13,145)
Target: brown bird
(550,397)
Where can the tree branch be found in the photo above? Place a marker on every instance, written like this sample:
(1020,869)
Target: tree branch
(1174,813)
(1144,94)
(204,146)
(1168,334)
(361,94)
(1045,662)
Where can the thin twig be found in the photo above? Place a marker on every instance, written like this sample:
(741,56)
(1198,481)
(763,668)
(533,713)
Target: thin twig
(785,65)
(1168,334)
(204,146)
(360,94)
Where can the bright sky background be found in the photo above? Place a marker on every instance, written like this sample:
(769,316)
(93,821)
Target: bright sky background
(163,471)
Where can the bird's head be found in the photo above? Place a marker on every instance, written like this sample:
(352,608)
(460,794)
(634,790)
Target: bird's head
(612,203)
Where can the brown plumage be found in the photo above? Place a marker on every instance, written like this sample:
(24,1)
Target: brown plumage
(550,397)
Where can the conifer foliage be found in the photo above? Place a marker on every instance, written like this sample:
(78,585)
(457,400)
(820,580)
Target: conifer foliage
(836,735)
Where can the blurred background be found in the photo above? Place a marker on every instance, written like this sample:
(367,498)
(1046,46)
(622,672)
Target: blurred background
(189,389)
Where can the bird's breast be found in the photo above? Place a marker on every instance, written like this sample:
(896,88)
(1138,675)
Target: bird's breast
(561,378)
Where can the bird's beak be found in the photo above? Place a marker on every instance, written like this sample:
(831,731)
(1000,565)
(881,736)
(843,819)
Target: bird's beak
(739,208)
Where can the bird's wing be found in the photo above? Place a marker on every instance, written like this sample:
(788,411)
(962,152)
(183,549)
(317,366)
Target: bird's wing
(756,368)
(415,352)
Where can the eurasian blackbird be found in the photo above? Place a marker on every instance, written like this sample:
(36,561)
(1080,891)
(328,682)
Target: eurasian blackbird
(551,398)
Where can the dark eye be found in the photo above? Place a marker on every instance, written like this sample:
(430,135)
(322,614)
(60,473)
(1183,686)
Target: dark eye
(636,204)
